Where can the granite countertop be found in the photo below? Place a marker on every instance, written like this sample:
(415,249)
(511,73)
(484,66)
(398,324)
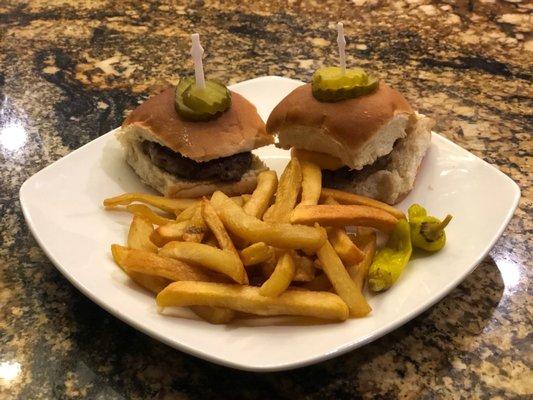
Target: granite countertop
(70,70)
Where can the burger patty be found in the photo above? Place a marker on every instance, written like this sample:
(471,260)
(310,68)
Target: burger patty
(230,168)
(346,174)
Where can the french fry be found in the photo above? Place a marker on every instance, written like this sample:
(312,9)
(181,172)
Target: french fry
(152,264)
(342,282)
(168,233)
(144,211)
(214,315)
(311,183)
(139,235)
(267,183)
(343,215)
(254,230)
(256,254)
(324,161)
(245,198)
(238,200)
(218,260)
(281,278)
(163,203)
(187,214)
(289,187)
(358,272)
(216,226)
(321,283)
(248,299)
(196,227)
(305,270)
(345,248)
(154,284)
(354,199)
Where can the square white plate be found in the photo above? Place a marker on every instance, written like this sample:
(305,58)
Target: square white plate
(62,206)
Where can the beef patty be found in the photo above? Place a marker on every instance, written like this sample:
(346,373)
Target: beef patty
(230,168)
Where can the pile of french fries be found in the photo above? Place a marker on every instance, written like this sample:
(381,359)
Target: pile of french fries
(283,250)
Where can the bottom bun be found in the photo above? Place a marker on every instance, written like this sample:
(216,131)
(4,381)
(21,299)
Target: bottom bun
(172,186)
(394,182)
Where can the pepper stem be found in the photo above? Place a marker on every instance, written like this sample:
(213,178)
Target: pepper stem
(441,226)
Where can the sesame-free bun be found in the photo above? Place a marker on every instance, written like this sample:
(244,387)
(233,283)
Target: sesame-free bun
(237,130)
(357,131)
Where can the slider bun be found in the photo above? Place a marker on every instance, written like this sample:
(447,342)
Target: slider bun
(172,186)
(357,131)
(393,183)
(237,130)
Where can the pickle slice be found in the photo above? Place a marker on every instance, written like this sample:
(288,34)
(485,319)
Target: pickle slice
(331,85)
(197,104)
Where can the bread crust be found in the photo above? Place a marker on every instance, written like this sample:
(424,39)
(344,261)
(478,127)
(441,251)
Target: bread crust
(235,131)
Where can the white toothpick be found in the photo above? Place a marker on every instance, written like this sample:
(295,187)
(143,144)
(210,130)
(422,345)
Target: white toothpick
(341,41)
(197,53)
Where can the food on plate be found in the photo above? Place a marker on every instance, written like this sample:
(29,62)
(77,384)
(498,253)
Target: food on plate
(217,227)
(343,215)
(360,131)
(218,260)
(196,227)
(427,232)
(311,183)
(252,229)
(196,138)
(289,186)
(169,232)
(256,253)
(267,184)
(175,206)
(365,240)
(145,212)
(247,299)
(342,282)
(139,235)
(391,260)
(281,278)
(342,197)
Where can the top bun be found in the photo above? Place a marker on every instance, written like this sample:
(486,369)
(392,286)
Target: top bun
(237,130)
(357,131)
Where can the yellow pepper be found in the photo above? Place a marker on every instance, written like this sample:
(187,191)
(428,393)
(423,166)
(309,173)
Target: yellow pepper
(427,232)
(391,260)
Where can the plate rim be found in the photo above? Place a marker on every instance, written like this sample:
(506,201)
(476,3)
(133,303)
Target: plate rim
(277,366)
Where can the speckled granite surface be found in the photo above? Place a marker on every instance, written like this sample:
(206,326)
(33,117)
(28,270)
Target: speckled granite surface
(70,69)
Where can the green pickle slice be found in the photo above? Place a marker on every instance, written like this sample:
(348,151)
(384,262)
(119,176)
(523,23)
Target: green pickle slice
(196,104)
(331,85)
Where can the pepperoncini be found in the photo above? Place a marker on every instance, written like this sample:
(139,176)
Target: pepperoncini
(331,85)
(391,260)
(427,232)
(201,104)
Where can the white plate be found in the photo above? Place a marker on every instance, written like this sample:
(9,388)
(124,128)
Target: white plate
(62,206)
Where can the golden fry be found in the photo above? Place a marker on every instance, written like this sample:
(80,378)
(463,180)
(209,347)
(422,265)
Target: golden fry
(139,235)
(281,278)
(289,187)
(168,233)
(245,198)
(161,202)
(214,315)
(324,161)
(359,272)
(218,260)
(256,254)
(152,283)
(341,281)
(342,215)
(275,234)
(153,264)
(187,214)
(144,211)
(217,227)
(345,248)
(248,299)
(267,183)
(311,183)
(354,199)
(196,227)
